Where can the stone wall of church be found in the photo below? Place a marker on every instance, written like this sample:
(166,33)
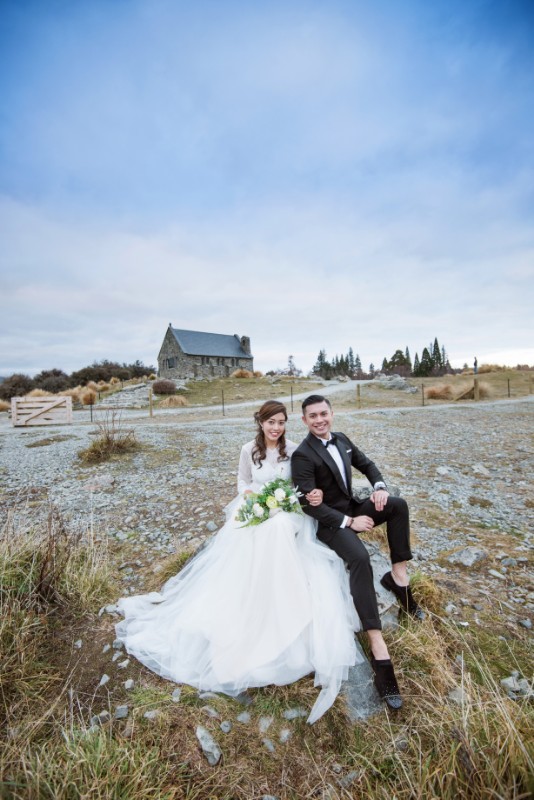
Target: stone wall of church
(173,363)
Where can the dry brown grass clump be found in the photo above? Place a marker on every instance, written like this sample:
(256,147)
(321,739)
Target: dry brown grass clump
(257,373)
(114,381)
(74,393)
(174,401)
(4,406)
(103,386)
(439,392)
(39,393)
(242,373)
(112,440)
(490,368)
(92,385)
(88,397)
(152,377)
(468,392)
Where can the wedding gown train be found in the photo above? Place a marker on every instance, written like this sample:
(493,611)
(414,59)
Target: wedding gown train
(257,606)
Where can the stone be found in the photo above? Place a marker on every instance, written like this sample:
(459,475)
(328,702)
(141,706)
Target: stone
(480,469)
(467,556)
(106,648)
(129,684)
(265,723)
(443,470)
(151,714)
(175,696)
(285,735)
(457,695)
(225,726)
(244,699)
(210,711)
(121,712)
(348,779)
(117,644)
(526,623)
(103,680)
(211,526)
(99,483)
(124,664)
(496,574)
(104,716)
(362,699)
(268,744)
(294,713)
(509,562)
(116,657)
(209,746)
(207,696)
(450,608)
(244,717)
(511,684)
(111,608)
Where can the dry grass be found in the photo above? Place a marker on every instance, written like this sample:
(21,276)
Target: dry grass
(467,392)
(112,440)
(257,373)
(39,393)
(242,373)
(439,392)
(74,393)
(174,401)
(4,406)
(88,397)
(114,381)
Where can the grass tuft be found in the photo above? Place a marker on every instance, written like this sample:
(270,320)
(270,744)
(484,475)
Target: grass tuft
(112,440)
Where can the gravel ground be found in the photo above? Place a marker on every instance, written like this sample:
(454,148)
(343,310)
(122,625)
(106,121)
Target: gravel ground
(466,471)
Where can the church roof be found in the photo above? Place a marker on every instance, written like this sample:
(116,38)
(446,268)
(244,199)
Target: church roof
(198,343)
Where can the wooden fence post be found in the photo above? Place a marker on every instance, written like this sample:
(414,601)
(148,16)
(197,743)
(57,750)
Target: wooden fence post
(423,393)
(359,396)
(222,394)
(150,404)
(476,390)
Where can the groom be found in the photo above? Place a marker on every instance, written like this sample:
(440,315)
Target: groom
(323,461)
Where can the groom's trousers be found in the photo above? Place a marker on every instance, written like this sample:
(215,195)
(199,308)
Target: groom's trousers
(347,544)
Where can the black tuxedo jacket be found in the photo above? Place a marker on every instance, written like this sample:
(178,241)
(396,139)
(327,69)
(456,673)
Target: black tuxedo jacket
(313,467)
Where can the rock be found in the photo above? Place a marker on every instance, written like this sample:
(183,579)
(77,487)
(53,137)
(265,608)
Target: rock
(116,657)
(285,735)
(295,713)
(244,699)
(244,717)
(151,714)
(124,664)
(226,726)
(117,644)
(268,797)
(509,562)
(467,556)
(128,728)
(496,574)
(104,717)
(511,684)
(348,779)
(480,469)
(450,608)
(210,711)
(360,693)
(457,695)
(175,696)
(211,526)
(103,680)
(268,744)
(106,648)
(121,712)
(526,623)
(209,746)
(111,608)
(99,483)
(78,643)
(265,723)
(207,696)
(129,684)
(443,470)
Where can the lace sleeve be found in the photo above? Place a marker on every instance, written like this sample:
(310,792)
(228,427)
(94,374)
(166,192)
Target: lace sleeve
(244,472)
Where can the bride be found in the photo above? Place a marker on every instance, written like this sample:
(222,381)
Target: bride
(258,605)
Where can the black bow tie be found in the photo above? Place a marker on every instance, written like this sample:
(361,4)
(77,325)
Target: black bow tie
(332,441)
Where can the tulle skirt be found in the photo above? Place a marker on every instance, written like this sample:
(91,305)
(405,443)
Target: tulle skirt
(257,606)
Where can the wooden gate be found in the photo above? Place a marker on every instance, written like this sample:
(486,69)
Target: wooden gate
(27,411)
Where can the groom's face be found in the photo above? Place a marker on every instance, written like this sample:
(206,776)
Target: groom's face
(318,418)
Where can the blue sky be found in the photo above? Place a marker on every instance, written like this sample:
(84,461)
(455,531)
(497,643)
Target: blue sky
(310,174)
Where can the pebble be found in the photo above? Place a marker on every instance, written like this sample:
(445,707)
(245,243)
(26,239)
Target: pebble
(457,695)
(526,623)
(210,711)
(103,680)
(244,717)
(124,664)
(175,696)
(106,648)
(225,726)
(129,684)
(265,723)
(116,657)
(268,744)
(121,712)
(78,643)
(117,644)
(496,574)
(294,713)
(285,735)
(151,714)
(209,746)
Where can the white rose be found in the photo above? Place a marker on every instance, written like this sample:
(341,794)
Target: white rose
(258,510)
(280,495)
(293,498)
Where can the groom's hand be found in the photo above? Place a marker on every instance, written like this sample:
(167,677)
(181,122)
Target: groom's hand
(379,498)
(362,523)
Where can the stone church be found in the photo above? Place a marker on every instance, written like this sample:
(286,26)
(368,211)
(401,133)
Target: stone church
(194,354)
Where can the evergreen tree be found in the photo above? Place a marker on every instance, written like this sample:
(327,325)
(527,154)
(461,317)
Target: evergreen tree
(385,365)
(426,366)
(436,356)
(358,366)
(372,370)
(320,365)
(408,359)
(416,365)
(351,362)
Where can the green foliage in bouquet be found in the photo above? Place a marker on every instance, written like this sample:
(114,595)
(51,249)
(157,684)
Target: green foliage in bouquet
(275,496)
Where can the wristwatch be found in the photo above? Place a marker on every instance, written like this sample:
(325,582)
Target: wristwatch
(379,485)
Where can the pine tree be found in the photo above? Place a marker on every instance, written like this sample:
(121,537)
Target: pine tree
(372,369)
(426,366)
(358,366)
(408,359)
(416,366)
(351,363)
(436,356)
(385,365)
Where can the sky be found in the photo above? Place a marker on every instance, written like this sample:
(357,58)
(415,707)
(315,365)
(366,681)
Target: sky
(313,174)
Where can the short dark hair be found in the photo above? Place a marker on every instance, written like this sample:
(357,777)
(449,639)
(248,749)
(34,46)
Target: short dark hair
(313,399)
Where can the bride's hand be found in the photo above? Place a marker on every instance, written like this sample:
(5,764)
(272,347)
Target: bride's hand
(315,497)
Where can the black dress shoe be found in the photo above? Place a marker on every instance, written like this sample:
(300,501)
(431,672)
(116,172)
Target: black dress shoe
(404,596)
(386,682)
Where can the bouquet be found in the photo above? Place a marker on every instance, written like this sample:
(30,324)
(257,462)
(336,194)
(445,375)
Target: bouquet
(275,496)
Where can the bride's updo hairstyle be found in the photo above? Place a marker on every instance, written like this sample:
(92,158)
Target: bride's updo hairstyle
(268,410)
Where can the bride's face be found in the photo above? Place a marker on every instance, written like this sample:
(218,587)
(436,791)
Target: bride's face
(273,428)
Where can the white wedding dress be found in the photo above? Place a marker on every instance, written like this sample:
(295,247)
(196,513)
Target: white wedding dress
(260,605)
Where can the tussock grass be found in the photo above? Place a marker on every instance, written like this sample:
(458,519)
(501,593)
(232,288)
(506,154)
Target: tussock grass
(439,392)
(88,397)
(112,440)
(4,406)
(74,393)
(174,401)
(39,393)
(242,373)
